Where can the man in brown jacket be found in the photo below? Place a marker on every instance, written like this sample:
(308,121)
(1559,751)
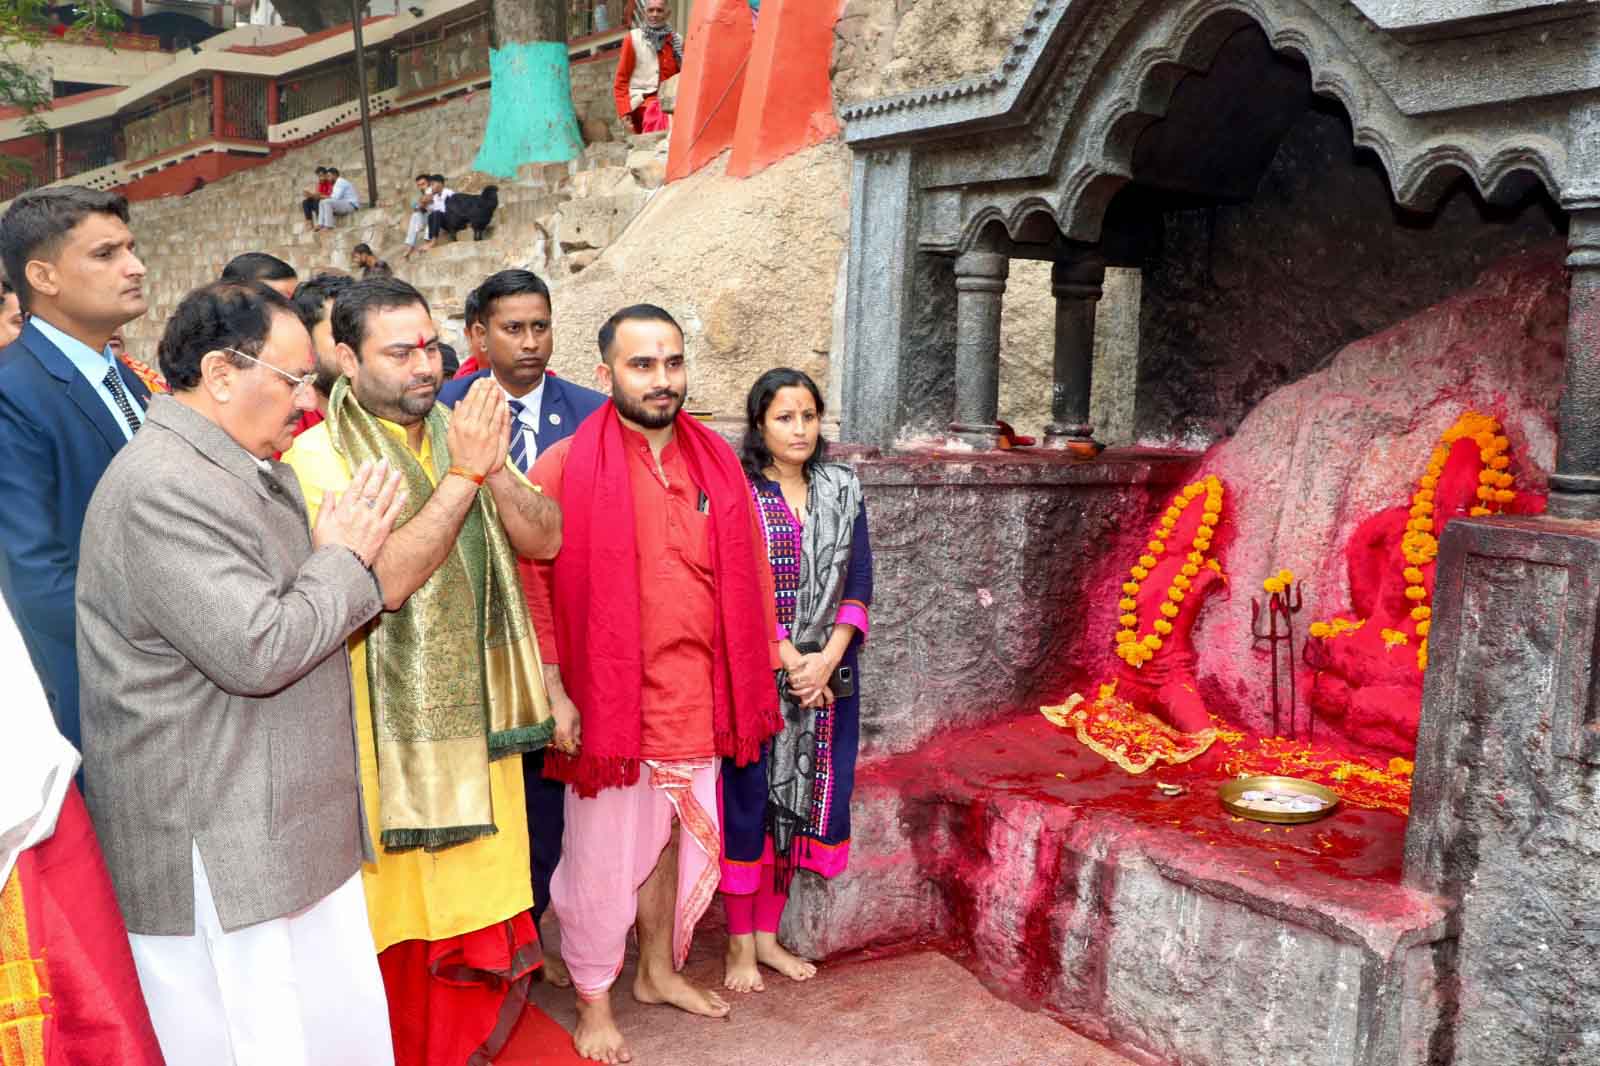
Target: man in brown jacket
(219,745)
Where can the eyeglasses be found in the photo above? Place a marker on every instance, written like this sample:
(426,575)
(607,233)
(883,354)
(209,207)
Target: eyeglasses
(298,382)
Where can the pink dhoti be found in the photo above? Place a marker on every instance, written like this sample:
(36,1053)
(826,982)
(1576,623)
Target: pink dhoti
(611,844)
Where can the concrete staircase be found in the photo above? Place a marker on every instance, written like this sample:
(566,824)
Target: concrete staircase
(554,219)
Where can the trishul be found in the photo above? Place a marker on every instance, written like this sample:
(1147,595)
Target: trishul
(1284,605)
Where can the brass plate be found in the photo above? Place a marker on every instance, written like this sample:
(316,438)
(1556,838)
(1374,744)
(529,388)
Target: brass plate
(1230,792)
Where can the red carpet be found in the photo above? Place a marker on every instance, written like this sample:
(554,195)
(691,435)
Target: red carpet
(539,1041)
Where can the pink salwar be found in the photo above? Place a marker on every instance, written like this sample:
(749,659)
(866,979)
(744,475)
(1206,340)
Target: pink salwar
(758,912)
(611,844)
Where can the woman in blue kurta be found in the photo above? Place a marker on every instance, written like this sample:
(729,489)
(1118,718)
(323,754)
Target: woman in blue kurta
(792,809)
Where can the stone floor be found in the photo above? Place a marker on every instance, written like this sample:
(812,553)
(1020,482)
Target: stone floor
(914,1009)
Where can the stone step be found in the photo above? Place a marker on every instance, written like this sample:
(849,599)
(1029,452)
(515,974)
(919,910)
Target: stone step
(1160,925)
(596,221)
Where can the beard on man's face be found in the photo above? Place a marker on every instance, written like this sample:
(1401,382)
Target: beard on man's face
(420,402)
(405,406)
(636,412)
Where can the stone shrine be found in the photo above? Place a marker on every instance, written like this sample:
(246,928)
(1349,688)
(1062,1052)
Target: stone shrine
(1114,134)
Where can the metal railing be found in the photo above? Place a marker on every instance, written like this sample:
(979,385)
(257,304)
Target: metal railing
(306,94)
(168,125)
(453,53)
(244,108)
(29,165)
(89,147)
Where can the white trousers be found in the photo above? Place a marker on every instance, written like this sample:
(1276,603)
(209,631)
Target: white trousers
(417,227)
(302,990)
(327,208)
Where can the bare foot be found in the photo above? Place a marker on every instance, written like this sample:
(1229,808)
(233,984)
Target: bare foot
(597,1036)
(740,972)
(555,971)
(772,954)
(671,988)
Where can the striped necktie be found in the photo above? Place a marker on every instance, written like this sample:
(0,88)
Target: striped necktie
(113,384)
(519,440)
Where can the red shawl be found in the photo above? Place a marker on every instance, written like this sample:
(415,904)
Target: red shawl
(596,602)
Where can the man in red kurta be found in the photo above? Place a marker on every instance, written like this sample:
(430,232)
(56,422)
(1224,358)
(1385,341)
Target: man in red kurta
(650,55)
(659,637)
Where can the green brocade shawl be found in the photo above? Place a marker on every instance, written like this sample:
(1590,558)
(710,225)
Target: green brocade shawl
(454,675)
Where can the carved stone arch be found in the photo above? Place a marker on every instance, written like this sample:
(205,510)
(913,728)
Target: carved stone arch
(1062,126)
(980,234)
(1017,218)
(1436,167)
(1135,81)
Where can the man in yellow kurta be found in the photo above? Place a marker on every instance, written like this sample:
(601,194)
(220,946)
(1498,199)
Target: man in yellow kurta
(447,681)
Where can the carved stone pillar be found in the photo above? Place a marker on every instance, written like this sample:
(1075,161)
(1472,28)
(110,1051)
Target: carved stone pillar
(1504,823)
(1076,285)
(980,289)
(1575,485)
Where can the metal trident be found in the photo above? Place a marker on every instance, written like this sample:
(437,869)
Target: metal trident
(1286,606)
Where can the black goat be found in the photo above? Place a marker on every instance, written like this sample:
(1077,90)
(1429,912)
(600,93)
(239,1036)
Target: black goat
(464,209)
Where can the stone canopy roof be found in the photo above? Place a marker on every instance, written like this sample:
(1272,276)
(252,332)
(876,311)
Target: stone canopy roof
(1502,92)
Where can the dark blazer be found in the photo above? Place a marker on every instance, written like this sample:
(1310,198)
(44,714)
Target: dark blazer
(56,439)
(565,405)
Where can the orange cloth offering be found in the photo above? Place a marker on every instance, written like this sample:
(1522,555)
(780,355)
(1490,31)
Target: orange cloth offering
(1135,740)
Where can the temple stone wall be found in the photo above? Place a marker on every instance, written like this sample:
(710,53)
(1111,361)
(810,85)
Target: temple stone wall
(988,578)
(1240,300)
(1133,934)
(592,98)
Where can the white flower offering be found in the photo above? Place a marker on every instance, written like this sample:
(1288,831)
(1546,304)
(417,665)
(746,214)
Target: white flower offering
(1279,801)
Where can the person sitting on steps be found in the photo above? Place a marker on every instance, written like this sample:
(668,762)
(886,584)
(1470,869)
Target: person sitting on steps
(418,223)
(314,195)
(650,55)
(342,200)
(441,196)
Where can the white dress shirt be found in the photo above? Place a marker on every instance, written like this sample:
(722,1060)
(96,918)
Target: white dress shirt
(93,366)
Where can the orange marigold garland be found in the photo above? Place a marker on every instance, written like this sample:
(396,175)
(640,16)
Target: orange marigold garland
(1419,546)
(1132,647)
(148,374)
(1336,627)
(1122,727)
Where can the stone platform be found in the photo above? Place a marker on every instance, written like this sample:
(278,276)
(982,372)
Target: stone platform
(1164,927)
